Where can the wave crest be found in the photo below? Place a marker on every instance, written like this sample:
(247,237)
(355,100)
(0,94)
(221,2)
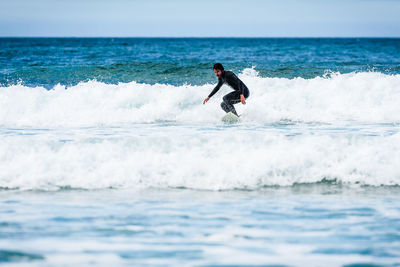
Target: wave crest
(362,97)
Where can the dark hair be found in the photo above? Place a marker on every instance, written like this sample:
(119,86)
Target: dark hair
(218,66)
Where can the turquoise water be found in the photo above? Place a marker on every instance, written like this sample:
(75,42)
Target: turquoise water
(109,157)
(49,61)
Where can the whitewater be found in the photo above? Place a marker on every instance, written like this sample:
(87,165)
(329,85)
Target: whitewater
(336,128)
(366,97)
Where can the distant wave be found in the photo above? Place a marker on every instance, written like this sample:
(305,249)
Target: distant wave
(362,97)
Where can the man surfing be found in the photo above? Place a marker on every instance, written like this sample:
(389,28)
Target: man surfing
(240,94)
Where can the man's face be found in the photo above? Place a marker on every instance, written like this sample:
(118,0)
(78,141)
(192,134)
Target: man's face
(218,73)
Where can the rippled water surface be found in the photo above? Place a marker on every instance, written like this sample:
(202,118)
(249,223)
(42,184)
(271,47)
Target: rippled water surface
(311,225)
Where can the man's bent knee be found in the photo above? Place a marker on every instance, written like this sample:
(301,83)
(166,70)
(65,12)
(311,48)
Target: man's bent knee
(224,106)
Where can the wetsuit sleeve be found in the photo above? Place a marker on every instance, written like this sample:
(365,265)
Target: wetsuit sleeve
(220,83)
(240,85)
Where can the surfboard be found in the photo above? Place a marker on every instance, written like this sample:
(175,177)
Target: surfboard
(230,118)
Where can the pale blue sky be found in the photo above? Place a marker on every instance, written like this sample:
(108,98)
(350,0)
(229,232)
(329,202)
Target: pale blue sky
(248,18)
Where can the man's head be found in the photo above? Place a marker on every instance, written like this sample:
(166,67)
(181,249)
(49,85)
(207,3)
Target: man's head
(218,69)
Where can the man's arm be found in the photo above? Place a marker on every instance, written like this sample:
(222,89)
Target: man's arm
(220,83)
(239,83)
(240,88)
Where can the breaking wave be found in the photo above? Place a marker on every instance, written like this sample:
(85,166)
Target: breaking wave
(362,97)
(131,135)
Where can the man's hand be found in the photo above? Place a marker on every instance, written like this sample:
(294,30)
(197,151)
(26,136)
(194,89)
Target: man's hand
(205,100)
(242,99)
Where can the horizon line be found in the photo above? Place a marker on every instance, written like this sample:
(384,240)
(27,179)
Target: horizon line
(199,37)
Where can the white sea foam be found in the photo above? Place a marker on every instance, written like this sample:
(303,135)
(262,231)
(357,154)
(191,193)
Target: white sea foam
(196,151)
(213,160)
(362,97)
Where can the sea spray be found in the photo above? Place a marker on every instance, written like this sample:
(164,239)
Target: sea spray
(358,97)
(223,158)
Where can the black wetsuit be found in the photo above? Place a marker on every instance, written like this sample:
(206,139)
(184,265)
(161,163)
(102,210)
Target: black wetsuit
(234,97)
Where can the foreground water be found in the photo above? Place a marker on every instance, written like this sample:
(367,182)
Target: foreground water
(108,157)
(157,194)
(303,225)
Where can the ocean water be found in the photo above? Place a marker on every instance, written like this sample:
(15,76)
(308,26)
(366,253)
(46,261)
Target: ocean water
(109,157)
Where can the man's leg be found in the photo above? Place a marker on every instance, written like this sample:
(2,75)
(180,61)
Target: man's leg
(229,100)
